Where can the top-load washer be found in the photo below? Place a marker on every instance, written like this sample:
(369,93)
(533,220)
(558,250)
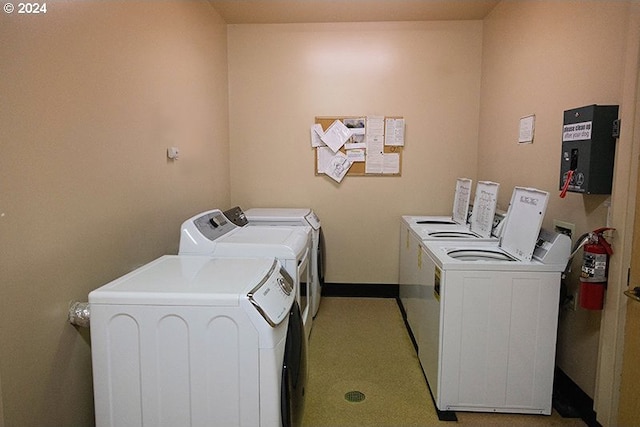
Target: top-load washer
(195,341)
(211,233)
(305,217)
(412,234)
(491,312)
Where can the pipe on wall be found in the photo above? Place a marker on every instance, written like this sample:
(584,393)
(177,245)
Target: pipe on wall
(79,314)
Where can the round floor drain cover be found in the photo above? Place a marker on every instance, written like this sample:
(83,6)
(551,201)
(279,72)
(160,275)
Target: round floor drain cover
(354,396)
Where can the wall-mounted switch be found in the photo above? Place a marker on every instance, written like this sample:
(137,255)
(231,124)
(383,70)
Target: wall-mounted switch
(564,228)
(173,153)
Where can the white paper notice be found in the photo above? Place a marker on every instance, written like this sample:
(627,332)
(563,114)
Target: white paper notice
(316,135)
(394,132)
(356,155)
(375,154)
(338,166)
(392,163)
(324,158)
(355,145)
(527,126)
(336,135)
(375,125)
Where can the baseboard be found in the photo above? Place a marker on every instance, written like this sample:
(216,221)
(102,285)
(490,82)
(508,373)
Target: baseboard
(362,290)
(406,324)
(570,401)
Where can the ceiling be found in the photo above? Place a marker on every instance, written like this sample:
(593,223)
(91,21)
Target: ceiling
(312,11)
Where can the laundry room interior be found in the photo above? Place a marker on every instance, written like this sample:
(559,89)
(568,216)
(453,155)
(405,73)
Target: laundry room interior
(94,94)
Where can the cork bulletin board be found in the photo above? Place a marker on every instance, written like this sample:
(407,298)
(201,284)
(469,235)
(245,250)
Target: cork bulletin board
(389,149)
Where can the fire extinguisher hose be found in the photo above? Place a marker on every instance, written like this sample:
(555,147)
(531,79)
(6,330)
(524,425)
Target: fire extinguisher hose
(603,242)
(580,242)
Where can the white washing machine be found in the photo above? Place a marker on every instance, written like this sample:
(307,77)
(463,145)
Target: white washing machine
(198,341)
(211,233)
(297,217)
(491,313)
(483,221)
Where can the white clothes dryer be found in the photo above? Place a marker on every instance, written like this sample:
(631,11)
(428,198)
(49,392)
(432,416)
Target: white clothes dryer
(198,341)
(491,312)
(305,217)
(211,233)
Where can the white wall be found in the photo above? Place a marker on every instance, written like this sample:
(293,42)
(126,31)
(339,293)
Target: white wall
(282,76)
(93,93)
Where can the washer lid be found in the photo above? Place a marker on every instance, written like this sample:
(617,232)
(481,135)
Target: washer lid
(187,280)
(524,219)
(480,254)
(276,214)
(484,208)
(286,216)
(461,200)
(427,219)
(452,234)
(281,242)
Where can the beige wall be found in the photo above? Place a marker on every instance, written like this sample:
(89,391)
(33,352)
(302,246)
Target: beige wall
(2,424)
(543,58)
(283,76)
(93,93)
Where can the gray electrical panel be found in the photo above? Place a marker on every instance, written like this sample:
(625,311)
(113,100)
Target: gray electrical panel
(588,149)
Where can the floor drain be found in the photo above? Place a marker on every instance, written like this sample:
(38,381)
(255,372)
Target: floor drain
(354,396)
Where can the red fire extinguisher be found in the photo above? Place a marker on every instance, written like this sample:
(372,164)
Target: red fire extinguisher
(595,266)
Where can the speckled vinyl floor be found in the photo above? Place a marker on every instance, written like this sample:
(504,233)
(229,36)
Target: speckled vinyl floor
(361,345)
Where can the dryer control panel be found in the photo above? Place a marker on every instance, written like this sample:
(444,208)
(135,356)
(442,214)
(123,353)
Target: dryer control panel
(197,233)
(236,216)
(213,225)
